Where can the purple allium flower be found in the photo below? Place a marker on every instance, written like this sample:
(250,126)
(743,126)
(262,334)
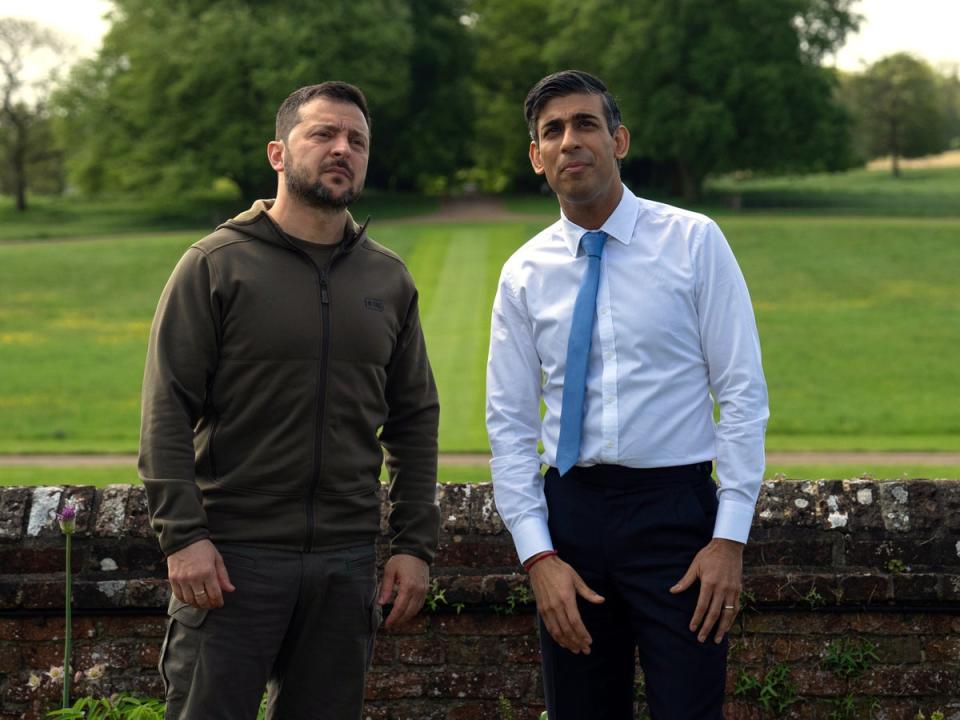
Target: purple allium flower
(68,517)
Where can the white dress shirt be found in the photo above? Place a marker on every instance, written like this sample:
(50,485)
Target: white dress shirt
(674,324)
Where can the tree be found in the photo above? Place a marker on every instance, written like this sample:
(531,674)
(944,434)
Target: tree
(949,92)
(184,92)
(900,110)
(707,86)
(508,36)
(25,141)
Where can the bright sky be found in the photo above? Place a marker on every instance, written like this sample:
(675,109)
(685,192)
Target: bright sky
(928,28)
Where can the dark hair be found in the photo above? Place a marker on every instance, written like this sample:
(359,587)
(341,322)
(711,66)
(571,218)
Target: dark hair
(289,113)
(561,84)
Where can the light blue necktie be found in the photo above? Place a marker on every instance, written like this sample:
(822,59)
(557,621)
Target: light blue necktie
(578,354)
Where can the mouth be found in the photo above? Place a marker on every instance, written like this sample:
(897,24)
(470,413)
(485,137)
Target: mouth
(339,170)
(574,168)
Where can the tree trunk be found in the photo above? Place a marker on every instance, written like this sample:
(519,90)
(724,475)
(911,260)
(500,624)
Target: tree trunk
(895,164)
(691,182)
(20,165)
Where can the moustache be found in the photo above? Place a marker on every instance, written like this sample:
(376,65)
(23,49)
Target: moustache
(341,164)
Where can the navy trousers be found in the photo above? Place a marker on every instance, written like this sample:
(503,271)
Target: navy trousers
(631,534)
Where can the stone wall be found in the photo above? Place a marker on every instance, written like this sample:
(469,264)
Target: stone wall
(852,607)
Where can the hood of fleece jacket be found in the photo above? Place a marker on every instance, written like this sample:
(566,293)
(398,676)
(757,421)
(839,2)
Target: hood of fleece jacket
(255,222)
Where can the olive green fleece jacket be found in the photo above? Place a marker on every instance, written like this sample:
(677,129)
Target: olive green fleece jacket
(272,387)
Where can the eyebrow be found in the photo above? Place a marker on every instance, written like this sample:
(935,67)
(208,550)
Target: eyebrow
(575,117)
(322,125)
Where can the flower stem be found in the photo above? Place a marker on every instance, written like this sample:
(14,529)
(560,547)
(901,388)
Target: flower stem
(68,626)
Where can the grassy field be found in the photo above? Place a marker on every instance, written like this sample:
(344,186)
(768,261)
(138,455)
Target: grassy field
(859,318)
(860,321)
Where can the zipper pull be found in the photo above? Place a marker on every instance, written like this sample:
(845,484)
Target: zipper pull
(324,298)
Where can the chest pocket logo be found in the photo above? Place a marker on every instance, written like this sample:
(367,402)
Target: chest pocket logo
(374,304)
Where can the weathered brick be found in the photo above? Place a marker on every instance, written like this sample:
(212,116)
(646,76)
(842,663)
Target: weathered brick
(865,510)
(793,649)
(941,649)
(522,650)
(916,587)
(111,511)
(137,521)
(903,624)
(807,623)
(789,552)
(11,659)
(867,589)
(486,625)
(419,650)
(394,684)
(815,682)
(136,626)
(483,511)
(454,502)
(30,560)
(417,626)
(950,505)
(478,684)
(148,656)
(472,650)
(898,650)
(486,555)
(384,650)
(911,680)
(42,521)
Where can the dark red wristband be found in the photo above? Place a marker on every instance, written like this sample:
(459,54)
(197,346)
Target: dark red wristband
(537,558)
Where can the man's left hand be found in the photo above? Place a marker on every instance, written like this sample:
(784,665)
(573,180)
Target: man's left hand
(719,567)
(409,576)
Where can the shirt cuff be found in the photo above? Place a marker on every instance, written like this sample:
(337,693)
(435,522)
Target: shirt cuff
(531,536)
(733,521)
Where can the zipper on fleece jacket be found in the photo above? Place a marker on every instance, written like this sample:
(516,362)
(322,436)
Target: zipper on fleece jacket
(321,401)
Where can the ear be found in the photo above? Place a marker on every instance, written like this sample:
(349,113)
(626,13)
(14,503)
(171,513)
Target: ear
(535,158)
(275,154)
(621,142)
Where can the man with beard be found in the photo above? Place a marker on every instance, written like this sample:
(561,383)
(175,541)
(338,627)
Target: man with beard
(286,353)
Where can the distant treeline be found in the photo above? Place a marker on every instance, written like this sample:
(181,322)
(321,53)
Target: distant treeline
(181,98)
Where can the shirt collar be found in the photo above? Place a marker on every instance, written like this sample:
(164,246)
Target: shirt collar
(619,225)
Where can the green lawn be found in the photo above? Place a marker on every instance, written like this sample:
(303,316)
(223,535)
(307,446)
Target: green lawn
(859,318)
(859,314)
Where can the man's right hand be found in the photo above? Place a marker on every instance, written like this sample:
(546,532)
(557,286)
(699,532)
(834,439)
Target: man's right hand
(556,586)
(198,576)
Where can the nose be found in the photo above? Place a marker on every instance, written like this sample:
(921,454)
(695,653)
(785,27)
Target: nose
(571,140)
(341,145)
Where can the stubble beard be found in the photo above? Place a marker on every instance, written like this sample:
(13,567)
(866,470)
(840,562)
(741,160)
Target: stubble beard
(316,194)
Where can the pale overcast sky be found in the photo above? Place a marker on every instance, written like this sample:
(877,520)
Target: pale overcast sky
(928,28)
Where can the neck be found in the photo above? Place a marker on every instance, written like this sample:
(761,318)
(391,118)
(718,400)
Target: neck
(593,213)
(316,225)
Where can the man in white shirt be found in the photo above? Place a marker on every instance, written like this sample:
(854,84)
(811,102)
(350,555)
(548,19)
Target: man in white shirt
(628,319)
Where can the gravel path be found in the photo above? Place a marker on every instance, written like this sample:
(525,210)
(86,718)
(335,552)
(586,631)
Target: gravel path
(773,458)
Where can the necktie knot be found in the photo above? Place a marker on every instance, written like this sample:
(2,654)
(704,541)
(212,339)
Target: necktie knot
(592,242)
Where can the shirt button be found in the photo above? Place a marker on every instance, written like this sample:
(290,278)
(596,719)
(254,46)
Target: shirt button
(604,311)
(609,443)
(608,399)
